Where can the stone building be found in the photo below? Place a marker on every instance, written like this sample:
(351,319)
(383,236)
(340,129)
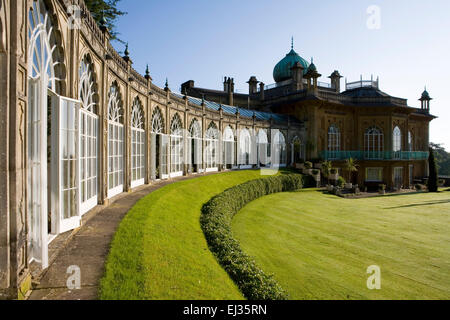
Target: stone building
(388,138)
(79,126)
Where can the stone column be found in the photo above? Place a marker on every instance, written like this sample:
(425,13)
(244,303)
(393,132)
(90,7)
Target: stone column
(4,159)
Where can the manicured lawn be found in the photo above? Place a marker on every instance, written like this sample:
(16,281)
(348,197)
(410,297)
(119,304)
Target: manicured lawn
(319,246)
(159,250)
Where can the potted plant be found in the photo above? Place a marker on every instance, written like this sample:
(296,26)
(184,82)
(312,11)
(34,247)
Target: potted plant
(350,166)
(308,168)
(316,174)
(382,189)
(341,182)
(333,174)
(441,183)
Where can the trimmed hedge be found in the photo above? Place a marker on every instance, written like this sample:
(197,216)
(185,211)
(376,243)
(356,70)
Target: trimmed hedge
(216,218)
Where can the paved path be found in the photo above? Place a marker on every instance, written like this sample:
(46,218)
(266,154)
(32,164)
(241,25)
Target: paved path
(88,249)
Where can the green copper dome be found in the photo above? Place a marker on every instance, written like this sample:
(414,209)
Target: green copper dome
(282,70)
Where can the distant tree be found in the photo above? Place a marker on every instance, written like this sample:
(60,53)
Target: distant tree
(442,159)
(433,178)
(107,10)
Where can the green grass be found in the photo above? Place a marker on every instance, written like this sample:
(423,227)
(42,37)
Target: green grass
(159,250)
(319,246)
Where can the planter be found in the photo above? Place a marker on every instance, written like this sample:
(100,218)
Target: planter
(334,176)
(307,171)
(316,177)
(300,166)
(329,188)
(382,191)
(317,166)
(348,185)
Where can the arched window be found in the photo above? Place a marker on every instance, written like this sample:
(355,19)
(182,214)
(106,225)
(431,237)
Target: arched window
(279,149)
(212,147)
(159,147)
(137,144)
(115,142)
(59,116)
(245,147)
(228,148)
(88,137)
(195,146)
(297,148)
(410,142)
(334,142)
(263,148)
(397,140)
(176,146)
(374,143)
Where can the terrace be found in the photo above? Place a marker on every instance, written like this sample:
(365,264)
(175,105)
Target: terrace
(375,155)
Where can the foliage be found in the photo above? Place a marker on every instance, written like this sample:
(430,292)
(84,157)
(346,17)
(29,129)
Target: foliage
(315,172)
(308,165)
(433,179)
(442,159)
(326,168)
(351,166)
(217,215)
(341,182)
(333,171)
(107,10)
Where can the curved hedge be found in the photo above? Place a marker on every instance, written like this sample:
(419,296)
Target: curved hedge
(216,218)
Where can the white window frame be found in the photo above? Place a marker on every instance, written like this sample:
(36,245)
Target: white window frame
(116,139)
(137,145)
(211,154)
(373,143)
(60,223)
(334,141)
(176,147)
(89,129)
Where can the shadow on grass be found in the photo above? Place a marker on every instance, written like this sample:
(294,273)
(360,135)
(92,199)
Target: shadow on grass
(427,203)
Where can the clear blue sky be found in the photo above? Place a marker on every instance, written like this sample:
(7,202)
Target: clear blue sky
(205,40)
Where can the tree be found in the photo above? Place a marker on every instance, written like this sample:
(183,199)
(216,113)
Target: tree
(433,178)
(108,11)
(326,168)
(350,166)
(442,159)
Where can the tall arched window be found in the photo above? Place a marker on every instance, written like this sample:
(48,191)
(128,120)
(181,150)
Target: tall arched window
(410,142)
(228,148)
(176,146)
(212,147)
(88,137)
(297,148)
(279,149)
(245,148)
(137,144)
(397,142)
(115,142)
(263,148)
(195,146)
(374,143)
(334,142)
(159,146)
(48,112)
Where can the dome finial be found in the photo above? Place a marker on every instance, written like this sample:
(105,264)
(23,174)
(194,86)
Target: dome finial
(292,43)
